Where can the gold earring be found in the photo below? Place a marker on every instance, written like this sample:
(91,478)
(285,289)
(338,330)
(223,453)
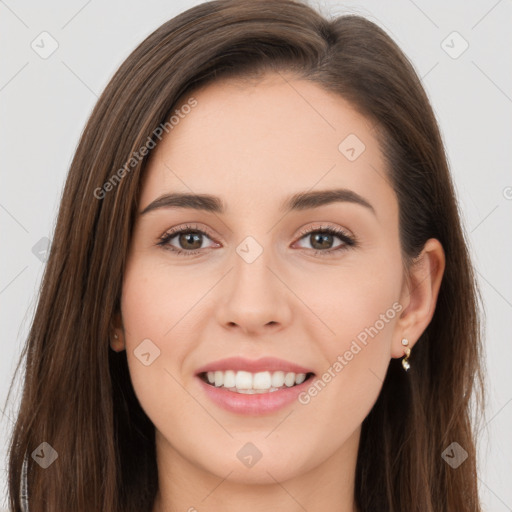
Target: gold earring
(407,352)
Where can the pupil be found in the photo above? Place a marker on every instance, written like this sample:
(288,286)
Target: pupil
(322,238)
(191,237)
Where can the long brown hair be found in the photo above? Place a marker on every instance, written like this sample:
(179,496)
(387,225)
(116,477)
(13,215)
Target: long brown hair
(77,393)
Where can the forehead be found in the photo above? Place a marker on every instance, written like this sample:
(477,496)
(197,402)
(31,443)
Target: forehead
(253,142)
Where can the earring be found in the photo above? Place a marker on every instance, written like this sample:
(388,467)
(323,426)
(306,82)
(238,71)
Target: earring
(407,352)
(116,336)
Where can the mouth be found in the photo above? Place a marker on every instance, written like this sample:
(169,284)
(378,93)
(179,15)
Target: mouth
(249,383)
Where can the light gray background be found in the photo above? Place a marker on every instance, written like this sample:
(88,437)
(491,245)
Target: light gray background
(45,103)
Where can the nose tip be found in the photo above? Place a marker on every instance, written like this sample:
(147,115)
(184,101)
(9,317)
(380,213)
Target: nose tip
(253,297)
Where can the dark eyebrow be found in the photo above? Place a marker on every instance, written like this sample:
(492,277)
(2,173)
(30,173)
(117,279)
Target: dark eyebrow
(300,201)
(307,200)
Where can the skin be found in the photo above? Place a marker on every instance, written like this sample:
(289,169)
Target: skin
(254,145)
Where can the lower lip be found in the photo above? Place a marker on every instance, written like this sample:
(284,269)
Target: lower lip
(256,404)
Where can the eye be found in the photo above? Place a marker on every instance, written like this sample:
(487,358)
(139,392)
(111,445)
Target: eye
(321,239)
(190,238)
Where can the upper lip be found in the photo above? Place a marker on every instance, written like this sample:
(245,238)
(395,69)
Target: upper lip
(257,365)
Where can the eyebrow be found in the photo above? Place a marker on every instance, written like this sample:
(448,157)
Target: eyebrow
(298,202)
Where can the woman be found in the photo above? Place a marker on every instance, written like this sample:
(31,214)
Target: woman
(258,294)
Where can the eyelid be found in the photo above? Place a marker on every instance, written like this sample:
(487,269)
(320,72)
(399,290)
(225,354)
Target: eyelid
(322,226)
(302,232)
(348,240)
(172,232)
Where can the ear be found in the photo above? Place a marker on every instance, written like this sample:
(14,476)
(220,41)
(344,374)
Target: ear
(419,295)
(117,334)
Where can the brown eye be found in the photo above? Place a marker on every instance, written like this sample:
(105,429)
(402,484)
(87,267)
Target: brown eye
(189,240)
(322,240)
(186,241)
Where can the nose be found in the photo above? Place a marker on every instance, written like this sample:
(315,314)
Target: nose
(254,297)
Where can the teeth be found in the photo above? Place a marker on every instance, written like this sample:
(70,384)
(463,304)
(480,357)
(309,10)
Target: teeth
(251,383)
(289,380)
(277,379)
(300,378)
(229,379)
(243,380)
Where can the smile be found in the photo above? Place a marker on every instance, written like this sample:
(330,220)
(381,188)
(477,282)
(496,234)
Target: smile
(254,383)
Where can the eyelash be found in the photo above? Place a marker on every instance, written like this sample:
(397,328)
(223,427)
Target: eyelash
(330,230)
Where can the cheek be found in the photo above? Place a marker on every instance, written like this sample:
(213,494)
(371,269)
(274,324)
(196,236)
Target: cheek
(359,310)
(366,314)
(154,311)
(158,301)
(357,306)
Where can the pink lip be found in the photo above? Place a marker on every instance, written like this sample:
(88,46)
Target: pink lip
(254,405)
(270,364)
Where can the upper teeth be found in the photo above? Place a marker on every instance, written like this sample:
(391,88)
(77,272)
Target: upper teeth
(242,380)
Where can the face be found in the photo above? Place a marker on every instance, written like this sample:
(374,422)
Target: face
(314,286)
